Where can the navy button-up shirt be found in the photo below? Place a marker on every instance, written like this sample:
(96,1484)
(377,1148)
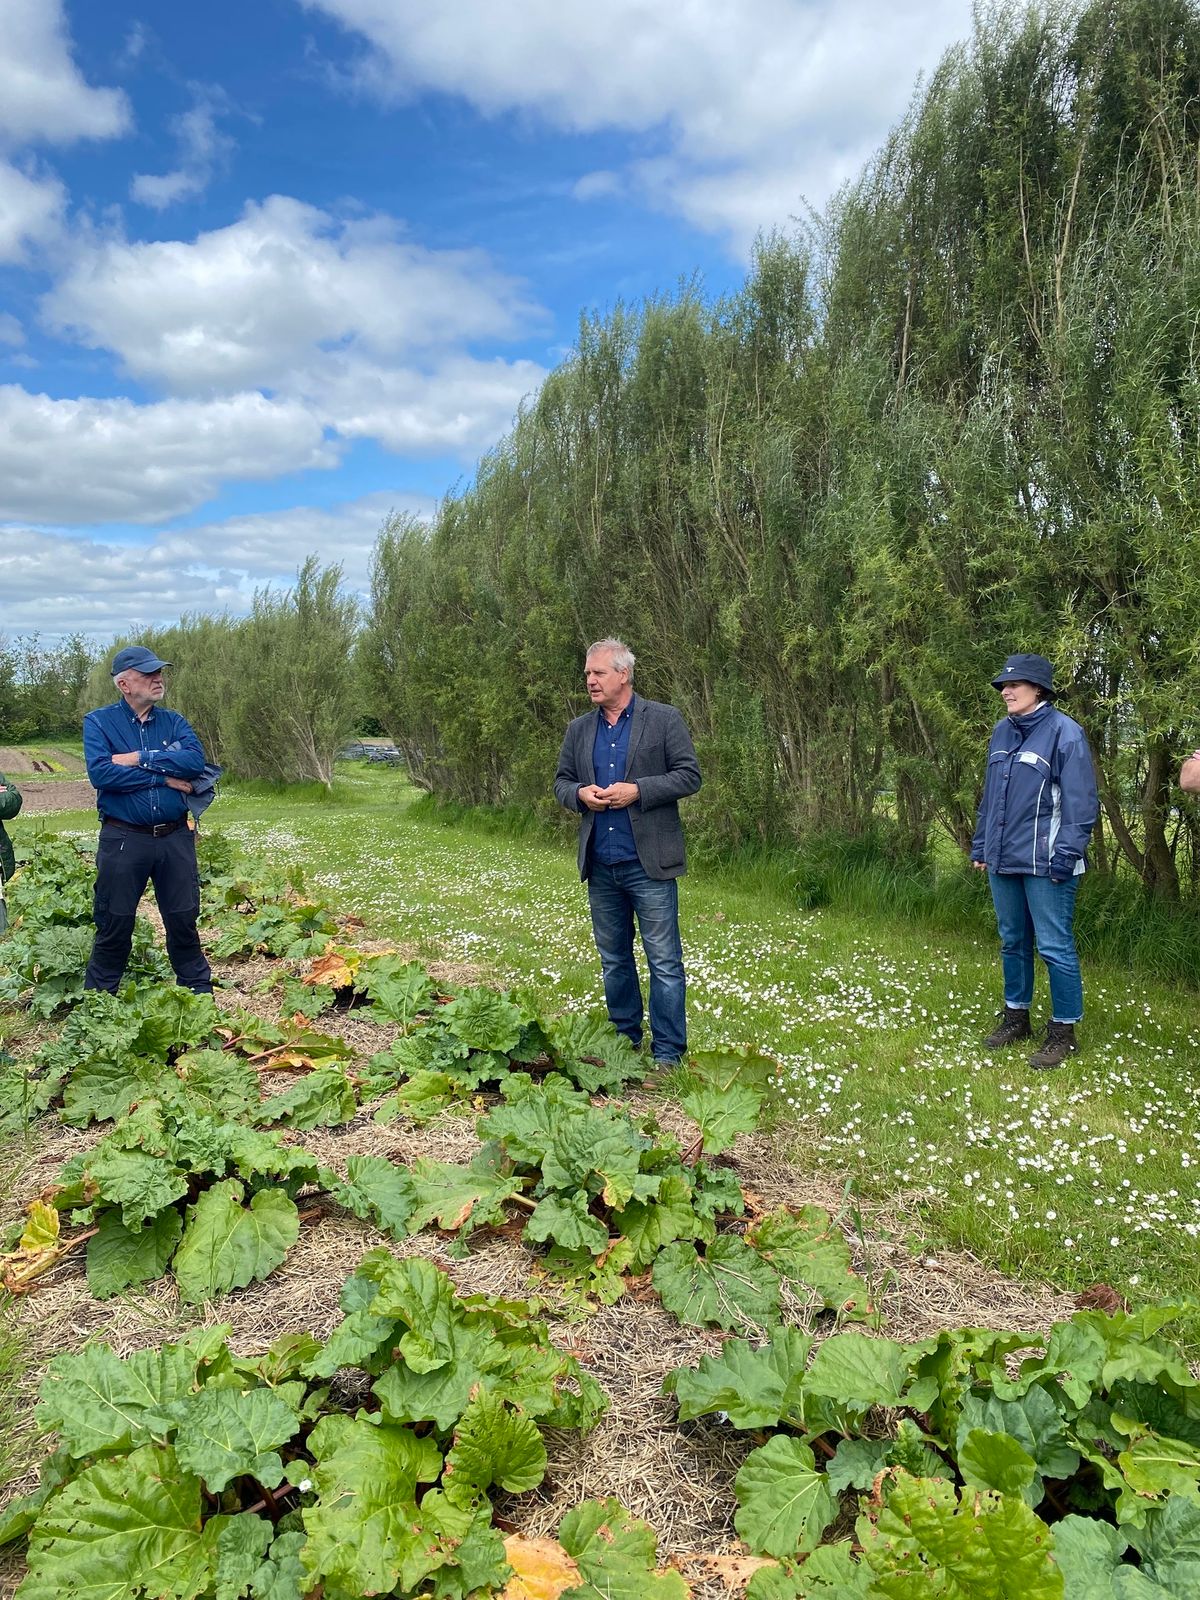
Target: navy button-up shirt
(140,794)
(612,832)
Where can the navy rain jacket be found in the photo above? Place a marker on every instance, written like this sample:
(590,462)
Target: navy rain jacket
(1039,802)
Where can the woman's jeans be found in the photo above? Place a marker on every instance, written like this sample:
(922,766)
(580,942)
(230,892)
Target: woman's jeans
(1029,911)
(616,894)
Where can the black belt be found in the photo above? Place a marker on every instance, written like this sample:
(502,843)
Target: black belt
(156,830)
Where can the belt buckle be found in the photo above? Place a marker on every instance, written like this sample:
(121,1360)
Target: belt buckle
(160,829)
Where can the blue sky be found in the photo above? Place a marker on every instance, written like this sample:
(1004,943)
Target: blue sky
(271,270)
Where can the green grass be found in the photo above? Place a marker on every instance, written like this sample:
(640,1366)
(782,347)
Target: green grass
(1085,1174)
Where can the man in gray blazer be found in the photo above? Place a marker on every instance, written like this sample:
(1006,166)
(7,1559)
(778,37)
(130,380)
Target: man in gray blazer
(624,768)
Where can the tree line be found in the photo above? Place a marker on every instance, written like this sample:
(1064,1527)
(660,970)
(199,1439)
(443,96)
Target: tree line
(271,695)
(956,415)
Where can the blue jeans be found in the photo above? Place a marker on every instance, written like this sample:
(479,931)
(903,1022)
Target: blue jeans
(617,894)
(1029,911)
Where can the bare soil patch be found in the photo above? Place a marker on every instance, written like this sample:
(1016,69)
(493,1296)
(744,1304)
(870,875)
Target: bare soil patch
(60,794)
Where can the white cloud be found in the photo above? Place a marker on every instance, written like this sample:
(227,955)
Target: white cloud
(748,100)
(31,210)
(42,94)
(203,147)
(460,406)
(57,584)
(111,460)
(11,331)
(244,305)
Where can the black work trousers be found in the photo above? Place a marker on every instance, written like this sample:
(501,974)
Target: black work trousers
(125,862)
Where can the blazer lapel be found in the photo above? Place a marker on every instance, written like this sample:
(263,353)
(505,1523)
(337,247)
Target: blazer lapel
(637,723)
(586,764)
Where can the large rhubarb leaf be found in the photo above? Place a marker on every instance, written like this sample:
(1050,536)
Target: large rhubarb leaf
(441,1395)
(375,1190)
(722,1114)
(808,1247)
(590,1051)
(321,1099)
(1089,1554)
(988,1547)
(141,1184)
(1157,1466)
(103,1090)
(997,1461)
(481,1019)
(594,1149)
(100,1403)
(856,1372)
(649,1225)
(754,1388)
(453,1196)
(493,1444)
(730,1286)
(416,1293)
(829,1573)
(227,1245)
(119,1257)
(784,1503)
(1169,1545)
(172,1016)
(398,993)
(616,1554)
(225,1433)
(366,1533)
(122,1529)
(568,1222)
(1033,1420)
(225,1086)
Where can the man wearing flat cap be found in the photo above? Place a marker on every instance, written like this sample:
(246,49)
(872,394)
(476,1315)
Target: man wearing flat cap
(142,760)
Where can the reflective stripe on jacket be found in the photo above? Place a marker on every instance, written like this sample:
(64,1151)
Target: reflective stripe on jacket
(1039,802)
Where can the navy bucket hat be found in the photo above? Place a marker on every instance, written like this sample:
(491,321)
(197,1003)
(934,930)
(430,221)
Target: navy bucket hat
(1026,669)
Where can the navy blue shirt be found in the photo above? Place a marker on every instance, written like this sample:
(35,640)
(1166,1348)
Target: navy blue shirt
(140,794)
(612,832)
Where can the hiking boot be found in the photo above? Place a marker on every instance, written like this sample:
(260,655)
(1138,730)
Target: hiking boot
(1054,1049)
(1012,1026)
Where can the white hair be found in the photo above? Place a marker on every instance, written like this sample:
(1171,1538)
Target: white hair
(622,656)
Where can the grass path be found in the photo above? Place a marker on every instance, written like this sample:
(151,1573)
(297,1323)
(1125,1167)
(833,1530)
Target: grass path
(1090,1173)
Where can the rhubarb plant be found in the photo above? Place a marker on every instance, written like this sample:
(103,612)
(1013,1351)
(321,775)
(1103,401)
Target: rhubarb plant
(972,1471)
(360,1466)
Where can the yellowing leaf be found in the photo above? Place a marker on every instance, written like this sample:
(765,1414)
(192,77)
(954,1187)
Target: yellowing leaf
(732,1571)
(335,968)
(41,1230)
(542,1569)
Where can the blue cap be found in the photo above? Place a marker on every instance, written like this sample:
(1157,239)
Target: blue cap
(136,658)
(1026,669)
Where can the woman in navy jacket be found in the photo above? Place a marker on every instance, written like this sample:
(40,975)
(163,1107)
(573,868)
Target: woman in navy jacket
(1036,815)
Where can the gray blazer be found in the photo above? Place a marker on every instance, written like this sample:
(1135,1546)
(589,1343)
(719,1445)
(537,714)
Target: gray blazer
(661,761)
